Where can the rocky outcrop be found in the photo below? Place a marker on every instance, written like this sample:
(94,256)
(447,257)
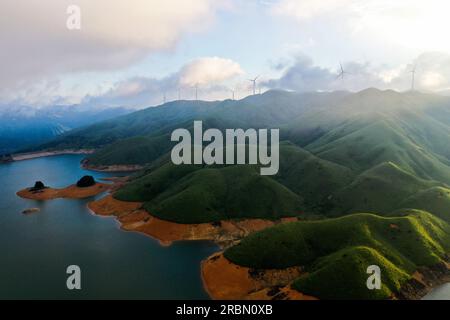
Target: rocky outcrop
(86,182)
(38,186)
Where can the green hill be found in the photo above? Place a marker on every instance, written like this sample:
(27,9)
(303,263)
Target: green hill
(209,193)
(189,194)
(337,252)
(314,179)
(435,200)
(342,153)
(379,190)
(132,151)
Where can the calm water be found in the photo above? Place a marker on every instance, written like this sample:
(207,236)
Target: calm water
(440,293)
(36,249)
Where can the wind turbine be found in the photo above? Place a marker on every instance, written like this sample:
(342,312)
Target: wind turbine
(254,84)
(196,91)
(413,80)
(342,73)
(232,93)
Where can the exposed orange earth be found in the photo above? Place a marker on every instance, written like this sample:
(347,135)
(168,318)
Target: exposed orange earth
(224,280)
(133,218)
(71,192)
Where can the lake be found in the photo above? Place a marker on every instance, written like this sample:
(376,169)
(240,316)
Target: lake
(439,293)
(36,249)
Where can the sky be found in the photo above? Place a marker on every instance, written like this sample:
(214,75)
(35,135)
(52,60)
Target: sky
(141,53)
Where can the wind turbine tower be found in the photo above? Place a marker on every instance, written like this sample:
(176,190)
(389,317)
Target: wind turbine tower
(254,84)
(232,93)
(413,80)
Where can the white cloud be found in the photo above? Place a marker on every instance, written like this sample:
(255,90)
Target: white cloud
(413,24)
(213,75)
(433,74)
(209,71)
(114,34)
(308,9)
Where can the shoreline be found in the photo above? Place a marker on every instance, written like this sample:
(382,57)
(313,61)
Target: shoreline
(425,280)
(132,217)
(112,169)
(44,154)
(224,280)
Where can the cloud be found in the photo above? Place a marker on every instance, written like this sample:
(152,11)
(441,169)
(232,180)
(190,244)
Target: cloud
(433,71)
(433,74)
(308,9)
(36,43)
(212,75)
(412,24)
(303,75)
(208,71)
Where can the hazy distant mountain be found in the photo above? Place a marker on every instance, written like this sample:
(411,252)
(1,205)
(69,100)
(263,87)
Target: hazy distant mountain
(23,126)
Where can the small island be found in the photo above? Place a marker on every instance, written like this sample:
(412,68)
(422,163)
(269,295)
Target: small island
(31,211)
(86,187)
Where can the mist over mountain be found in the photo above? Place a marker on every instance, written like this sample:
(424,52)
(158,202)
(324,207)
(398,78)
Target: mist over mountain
(23,126)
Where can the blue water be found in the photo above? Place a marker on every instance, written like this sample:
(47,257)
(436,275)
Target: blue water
(36,249)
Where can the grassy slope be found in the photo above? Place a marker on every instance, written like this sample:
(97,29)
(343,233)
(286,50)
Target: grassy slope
(435,200)
(189,194)
(131,151)
(314,179)
(337,252)
(195,193)
(145,122)
(379,190)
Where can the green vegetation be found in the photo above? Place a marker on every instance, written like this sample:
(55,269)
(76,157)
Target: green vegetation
(136,150)
(192,194)
(435,200)
(380,152)
(337,252)
(380,189)
(189,194)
